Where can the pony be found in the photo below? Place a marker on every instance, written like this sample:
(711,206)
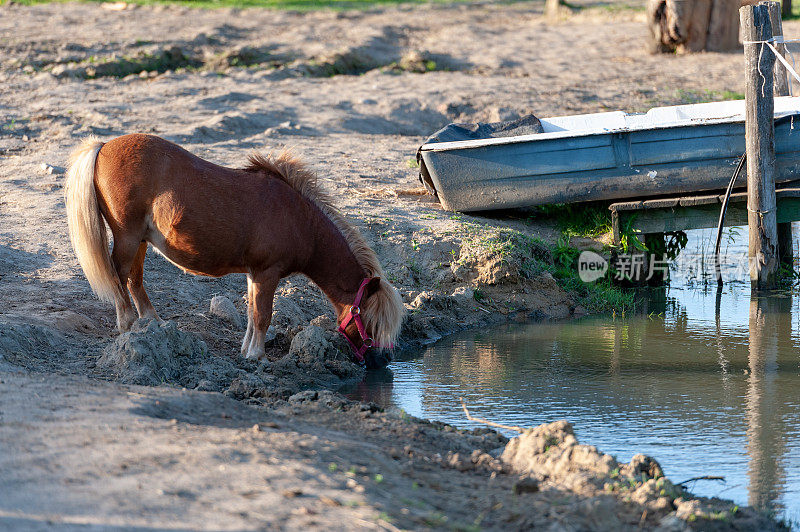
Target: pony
(268,220)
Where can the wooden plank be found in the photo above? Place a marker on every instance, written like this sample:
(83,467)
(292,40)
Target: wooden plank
(700,200)
(691,201)
(679,218)
(661,203)
(760,141)
(627,206)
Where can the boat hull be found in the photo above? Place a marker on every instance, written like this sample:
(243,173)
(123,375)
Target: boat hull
(615,165)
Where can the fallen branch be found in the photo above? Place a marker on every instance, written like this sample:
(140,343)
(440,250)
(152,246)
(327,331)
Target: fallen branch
(706,477)
(486,421)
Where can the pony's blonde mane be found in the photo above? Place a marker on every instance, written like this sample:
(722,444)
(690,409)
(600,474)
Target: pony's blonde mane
(382,312)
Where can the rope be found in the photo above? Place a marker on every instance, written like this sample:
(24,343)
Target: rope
(784,62)
(780,40)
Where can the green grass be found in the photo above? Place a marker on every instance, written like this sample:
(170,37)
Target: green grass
(587,219)
(705,96)
(600,296)
(561,261)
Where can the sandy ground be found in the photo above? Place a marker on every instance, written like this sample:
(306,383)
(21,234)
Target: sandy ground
(354,94)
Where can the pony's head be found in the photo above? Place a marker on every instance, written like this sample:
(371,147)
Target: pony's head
(371,324)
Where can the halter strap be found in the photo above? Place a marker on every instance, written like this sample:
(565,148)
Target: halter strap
(354,314)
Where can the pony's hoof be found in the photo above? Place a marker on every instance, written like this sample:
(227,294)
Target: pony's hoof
(125,326)
(255,356)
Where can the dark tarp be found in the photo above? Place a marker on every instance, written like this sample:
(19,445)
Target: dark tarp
(526,125)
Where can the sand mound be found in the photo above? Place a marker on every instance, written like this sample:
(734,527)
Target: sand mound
(407,116)
(151,353)
(504,257)
(551,453)
(26,340)
(318,357)
(156,60)
(553,450)
(237,124)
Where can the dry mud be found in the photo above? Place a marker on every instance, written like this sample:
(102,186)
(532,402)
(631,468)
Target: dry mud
(166,426)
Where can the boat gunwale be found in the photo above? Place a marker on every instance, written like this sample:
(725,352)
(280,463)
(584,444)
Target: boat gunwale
(556,135)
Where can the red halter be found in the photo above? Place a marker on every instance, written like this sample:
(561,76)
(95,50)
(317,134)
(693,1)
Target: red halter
(355,314)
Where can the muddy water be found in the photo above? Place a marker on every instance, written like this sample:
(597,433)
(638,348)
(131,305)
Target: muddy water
(707,383)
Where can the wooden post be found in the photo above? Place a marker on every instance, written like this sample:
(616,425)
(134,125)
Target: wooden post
(760,142)
(654,259)
(786,6)
(553,9)
(781,84)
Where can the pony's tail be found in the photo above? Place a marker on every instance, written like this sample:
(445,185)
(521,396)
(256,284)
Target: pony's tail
(87,229)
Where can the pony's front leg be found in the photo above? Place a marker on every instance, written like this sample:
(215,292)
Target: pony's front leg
(264,285)
(248,336)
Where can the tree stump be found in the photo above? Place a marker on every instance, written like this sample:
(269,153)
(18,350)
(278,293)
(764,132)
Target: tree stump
(555,10)
(694,25)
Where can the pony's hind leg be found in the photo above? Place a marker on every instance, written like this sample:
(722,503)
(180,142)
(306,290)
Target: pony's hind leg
(122,257)
(249,334)
(136,285)
(264,285)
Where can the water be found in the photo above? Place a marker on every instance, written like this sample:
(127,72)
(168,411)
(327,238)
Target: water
(707,383)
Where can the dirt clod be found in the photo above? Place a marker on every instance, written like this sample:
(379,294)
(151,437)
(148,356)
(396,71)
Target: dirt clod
(318,357)
(552,450)
(223,307)
(150,353)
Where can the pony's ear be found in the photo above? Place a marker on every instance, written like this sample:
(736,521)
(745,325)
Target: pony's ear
(373,286)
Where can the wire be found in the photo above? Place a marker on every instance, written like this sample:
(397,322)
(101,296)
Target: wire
(722,212)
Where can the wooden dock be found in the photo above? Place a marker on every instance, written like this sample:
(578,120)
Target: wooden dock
(665,215)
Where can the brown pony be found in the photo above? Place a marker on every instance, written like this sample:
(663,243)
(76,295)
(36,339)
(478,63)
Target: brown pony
(268,220)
